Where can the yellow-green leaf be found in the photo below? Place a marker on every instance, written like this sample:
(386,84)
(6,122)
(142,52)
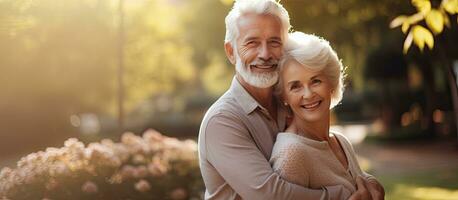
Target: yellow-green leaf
(405,27)
(423,6)
(415,18)
(398,21)
(446,19)
(421,35)
(435,21)
(451,6)
(408,42)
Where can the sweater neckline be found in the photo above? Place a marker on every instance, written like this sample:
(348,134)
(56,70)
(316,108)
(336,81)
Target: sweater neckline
(305,140)
(320,145)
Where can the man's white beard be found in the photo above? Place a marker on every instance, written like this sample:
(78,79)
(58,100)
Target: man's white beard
(259,80)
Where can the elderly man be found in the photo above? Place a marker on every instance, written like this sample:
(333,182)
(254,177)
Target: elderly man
(238,131)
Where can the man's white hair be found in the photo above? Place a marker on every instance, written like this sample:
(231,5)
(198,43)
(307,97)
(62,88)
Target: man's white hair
(315,53)
(243,7)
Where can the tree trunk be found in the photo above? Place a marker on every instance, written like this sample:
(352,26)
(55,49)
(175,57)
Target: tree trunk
(454,93)
(121,67)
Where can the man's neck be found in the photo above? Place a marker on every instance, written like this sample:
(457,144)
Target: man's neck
(263,96)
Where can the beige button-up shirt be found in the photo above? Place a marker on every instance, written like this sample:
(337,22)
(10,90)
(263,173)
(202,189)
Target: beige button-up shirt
(236,138)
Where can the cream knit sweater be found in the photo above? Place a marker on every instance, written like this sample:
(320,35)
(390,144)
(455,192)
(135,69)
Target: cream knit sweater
(312,163)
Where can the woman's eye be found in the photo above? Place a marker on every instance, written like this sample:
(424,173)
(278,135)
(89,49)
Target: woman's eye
(295,86)
(316,81)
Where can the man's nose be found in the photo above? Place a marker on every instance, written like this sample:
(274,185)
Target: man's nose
(264,53)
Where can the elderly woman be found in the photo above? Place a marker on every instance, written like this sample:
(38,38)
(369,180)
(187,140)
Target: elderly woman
(308,153)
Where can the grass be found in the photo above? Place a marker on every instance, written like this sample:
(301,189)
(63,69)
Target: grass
(430,185)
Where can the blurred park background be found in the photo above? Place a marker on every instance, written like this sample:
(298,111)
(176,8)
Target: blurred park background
(93,69)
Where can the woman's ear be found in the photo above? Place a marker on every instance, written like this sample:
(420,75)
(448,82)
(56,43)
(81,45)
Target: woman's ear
(229,52)
(287,107)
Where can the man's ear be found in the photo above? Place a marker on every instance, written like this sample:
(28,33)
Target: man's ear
(229,52)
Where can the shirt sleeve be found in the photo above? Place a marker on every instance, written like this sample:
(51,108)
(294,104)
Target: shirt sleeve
(232,151)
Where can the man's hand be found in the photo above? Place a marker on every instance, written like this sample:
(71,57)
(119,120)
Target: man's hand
(362,193)
(375,189)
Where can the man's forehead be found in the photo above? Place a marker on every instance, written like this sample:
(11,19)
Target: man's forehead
(257,18)
(259,23)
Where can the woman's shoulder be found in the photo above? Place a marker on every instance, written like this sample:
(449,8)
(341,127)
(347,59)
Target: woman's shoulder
(287,147)
(286,139)
(341,137)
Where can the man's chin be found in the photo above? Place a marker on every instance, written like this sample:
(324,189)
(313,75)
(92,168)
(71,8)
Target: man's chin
(261,83)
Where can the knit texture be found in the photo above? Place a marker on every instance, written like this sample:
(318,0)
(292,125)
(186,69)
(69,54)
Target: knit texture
(312,163)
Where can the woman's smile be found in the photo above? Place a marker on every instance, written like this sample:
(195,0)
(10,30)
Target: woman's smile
(312,106)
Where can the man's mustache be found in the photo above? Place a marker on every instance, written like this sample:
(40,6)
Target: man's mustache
(268,62)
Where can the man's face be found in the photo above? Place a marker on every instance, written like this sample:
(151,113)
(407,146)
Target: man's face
(258,49)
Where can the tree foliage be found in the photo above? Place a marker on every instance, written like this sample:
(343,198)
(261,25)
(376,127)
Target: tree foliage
(435,19)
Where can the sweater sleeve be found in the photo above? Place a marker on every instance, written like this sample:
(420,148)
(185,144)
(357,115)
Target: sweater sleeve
(293,166)
(349,147)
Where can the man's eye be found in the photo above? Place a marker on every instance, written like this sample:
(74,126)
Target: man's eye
(275,44)
(251,43)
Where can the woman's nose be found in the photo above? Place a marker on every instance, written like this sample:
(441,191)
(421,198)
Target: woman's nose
(307,93)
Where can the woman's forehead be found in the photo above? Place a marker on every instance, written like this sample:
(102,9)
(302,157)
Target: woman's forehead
(294,69)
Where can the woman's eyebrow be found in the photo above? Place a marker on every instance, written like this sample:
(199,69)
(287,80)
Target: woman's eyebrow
(292,82)
(314,77)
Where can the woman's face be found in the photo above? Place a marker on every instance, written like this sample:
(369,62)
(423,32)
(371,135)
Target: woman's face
(307,92)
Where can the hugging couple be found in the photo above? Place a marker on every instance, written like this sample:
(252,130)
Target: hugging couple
(268,136)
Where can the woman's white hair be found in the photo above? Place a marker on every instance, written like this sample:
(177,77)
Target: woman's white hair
(315,53)
(242,7)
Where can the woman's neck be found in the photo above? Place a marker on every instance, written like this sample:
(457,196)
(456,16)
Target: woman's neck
(318,130)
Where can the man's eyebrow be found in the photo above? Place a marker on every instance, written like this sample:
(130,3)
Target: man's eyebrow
(275,38)
(250,38)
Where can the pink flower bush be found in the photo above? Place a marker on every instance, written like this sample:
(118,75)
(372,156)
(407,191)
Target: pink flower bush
(149,167)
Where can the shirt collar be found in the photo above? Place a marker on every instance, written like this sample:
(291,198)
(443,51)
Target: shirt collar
(249,104)
(245,100)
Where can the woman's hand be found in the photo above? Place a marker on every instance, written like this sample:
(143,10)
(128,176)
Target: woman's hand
(368,189)
(362,193)
(375,188)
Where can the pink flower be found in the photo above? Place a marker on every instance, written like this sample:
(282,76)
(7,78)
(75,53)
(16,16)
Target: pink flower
(178,194)
(140,172)
(51,184)
(142,186)
(156,168)
(153,136)
(89,187)
(127,172)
